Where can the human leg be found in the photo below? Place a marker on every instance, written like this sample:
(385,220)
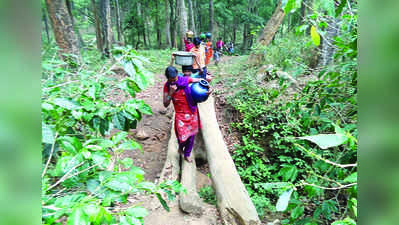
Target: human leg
(189,144)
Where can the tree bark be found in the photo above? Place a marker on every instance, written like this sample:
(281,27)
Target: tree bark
(245,37)
(167,24)
(146,24)
(235,30)
(46,24)
(69,7)
(173,23)
(118,21)
(235,206)
(191,11)
(272,26)
(211,16)
(327,40)
(198,7)
(106,27)
(63,29)
(159,42)
(99,38)
(183,22)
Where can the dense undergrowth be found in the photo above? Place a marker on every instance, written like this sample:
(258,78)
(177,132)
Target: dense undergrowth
(299,150)
(85,180)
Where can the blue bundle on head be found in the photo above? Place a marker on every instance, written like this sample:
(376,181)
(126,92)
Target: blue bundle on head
(197,41)
(171,72)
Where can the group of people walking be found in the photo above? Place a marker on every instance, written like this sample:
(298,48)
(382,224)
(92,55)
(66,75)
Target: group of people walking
(177,90)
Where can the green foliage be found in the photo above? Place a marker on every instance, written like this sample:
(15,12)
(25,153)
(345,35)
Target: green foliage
(298,150)
(86,174)
(292,53)
(208,195)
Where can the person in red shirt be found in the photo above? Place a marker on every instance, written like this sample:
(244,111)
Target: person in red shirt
(187,120)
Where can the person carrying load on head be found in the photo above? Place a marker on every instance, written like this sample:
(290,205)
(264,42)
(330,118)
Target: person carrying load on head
(199,59)
(208,48)
(188,72)
(187,120)
(188,41)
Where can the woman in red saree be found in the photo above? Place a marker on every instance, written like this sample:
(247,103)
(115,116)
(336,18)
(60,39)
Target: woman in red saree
(187,120)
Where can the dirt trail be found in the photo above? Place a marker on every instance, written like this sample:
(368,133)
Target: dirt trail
(154,131)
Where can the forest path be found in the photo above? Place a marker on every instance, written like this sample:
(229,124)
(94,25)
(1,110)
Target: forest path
(153,133)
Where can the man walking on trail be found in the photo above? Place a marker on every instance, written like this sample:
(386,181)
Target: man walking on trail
(199,59)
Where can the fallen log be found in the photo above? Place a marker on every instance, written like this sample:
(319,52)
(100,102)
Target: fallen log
(171,168)
(235,206)
(190,201)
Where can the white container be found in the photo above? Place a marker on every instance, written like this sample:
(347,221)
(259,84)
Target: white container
(183,58)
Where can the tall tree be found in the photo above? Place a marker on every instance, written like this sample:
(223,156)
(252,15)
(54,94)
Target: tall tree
(211,14)
(198,8)
(63,29)
(272,26)
(106,26)
(69,7)
(118,20)
(100,43)
(183,22)
(157,25)
(167,24)
(45,24)
(191,15)
(173,23)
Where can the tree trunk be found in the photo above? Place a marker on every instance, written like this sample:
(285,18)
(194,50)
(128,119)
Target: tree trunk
(183,22)
(211,16)
(327,40)
(167,24)
(69,7)
(157,25)
(100,43)
(46,24)
(191,11)
(106,27)
(173,22)
(198,7)
(146,24)
(63,29)
(245,38)
(233,201)
(272,26)
(118,21)
(224,30)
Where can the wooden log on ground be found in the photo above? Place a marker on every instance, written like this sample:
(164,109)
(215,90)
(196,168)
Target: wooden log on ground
(190,201)
(171,168)
(235,206)
(199,148)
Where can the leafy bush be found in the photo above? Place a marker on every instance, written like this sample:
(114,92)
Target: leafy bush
(292,53)
(84,175)
(208,195)
(299,151)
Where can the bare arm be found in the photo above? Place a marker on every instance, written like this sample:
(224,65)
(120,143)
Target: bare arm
(167,96)
(172,59)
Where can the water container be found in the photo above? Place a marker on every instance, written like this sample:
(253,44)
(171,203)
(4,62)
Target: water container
(183,58)
(199,91)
